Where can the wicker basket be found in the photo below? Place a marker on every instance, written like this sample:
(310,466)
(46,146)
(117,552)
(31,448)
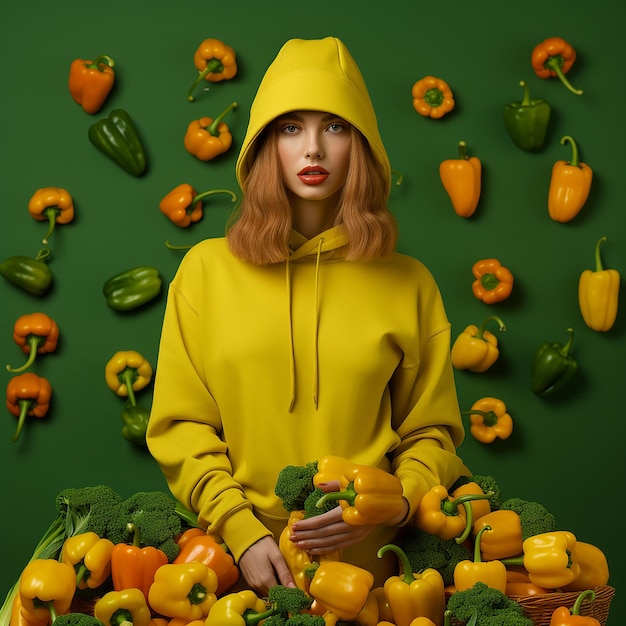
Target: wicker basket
(540,607)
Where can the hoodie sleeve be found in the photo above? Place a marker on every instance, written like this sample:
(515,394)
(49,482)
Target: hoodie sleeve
(184,432)
(426,413)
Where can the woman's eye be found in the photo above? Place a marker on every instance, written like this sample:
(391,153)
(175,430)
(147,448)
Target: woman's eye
(290,129)
(336,127)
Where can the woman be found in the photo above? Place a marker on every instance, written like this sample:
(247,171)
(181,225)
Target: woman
(302,333)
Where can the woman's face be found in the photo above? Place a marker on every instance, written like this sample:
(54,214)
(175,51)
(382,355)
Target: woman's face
(313,149)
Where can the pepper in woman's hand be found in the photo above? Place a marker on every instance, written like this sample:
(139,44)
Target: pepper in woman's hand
(527,120)
(490,420)
(554,57)
(207,138)
(552,367)
(476,349)
(461,178)
(117,138)
(30,274)
(90,82)
(51,204)
(432,97)
(493,282)
(183,205)
(27,394)
(34,333)
(215,61)
(598,294)
(570,184)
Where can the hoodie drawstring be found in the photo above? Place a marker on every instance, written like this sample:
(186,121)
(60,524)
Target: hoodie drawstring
(292,359)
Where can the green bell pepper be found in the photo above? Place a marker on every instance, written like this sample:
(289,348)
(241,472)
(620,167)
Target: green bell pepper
(116,136)
(132,288)
(31,275)
(135,420)
(552,367)
(527,121)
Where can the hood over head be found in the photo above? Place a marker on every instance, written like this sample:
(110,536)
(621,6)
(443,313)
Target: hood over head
(313,75)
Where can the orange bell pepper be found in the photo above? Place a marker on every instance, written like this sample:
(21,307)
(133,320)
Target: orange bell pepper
(27,394)
(476,349)
(432,97)
(90,82)
(52,204)
(554,57)
(133,566)
(493,282)
(35,333)
(563,616)
(570,184)
(207,138)
(598,294)
(461,178)
(489,420)
(491,573)
(213,554)
(215,61)
(183,205)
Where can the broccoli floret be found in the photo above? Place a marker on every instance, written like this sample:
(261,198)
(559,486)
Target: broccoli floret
(310,504)
(274,620)
(77,619)
(288,601)
(305,619)
(487,483)
(534,517)
(294,484)
(490,606)
(154,516)
(425,550)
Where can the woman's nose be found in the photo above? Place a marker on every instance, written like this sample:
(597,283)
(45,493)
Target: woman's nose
(314,147)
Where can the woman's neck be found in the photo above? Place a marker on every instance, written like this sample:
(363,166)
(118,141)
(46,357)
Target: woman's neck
(310,218)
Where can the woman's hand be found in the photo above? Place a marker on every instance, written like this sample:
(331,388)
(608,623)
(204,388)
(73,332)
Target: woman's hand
(263,566)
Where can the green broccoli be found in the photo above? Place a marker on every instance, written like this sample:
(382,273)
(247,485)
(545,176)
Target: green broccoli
(294,484)
(310,504)
(534,517)
(288,601)
(77,619)
(486,606)
(426,550)
(305,619)
(156,518)
(487,483)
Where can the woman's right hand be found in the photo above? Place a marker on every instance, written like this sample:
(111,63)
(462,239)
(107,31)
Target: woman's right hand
(263,566)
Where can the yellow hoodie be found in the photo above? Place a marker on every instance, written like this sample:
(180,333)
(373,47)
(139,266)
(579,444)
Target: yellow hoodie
(261,367)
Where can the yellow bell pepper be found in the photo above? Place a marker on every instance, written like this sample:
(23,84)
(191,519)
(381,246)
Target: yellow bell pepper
(491,573)
(128,603)
(476,349)
(342,588)
(229,610)
(368,616)
(414,595)
(46,589)
(185,590)
(594,568)
(90,556)
(598,294)
(505,539)
(550,559)
(127,371)
(297,559)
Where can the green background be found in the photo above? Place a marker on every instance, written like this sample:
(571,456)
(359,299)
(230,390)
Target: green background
(565,452)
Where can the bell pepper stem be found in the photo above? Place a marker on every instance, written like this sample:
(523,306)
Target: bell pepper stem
(575,610)
(526,98)
(127,377)
(198,197)
(349,495)
(214,65)
(171,246)
(43,254)
(477,542)
(212,129)
(405,565)
(33,342)
(566,348)
(462,150)
(599,266)
(25,406)
(489,417)
(51,213)
(101,59)
(483,326)
(555,64)
(81,574)
(575,160)
(121,617)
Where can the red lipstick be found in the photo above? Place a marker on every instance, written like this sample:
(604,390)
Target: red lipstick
(313,175)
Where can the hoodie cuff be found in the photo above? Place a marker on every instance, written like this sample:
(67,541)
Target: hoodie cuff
(240,530)
(413,489)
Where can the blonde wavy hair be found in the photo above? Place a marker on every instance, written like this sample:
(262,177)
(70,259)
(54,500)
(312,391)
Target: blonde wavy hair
(259,229)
